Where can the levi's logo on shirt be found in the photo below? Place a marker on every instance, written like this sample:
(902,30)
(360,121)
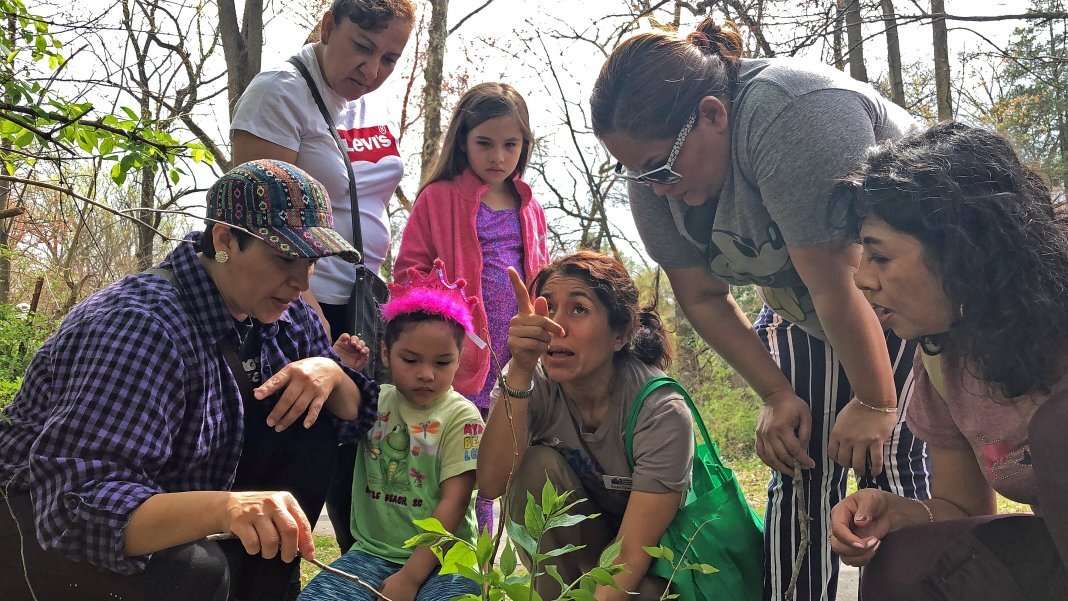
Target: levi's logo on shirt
(370,144)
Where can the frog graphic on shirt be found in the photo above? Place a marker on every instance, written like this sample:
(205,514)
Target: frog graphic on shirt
(393,454)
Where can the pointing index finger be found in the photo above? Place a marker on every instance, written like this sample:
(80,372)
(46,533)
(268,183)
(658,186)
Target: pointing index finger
(522,296)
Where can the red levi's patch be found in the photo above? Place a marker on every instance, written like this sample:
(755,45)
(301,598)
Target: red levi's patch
(369,144)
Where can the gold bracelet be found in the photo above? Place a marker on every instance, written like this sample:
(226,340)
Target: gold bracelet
(875,408)
(927,508)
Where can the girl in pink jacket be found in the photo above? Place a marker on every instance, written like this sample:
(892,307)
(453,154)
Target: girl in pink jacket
(477,215)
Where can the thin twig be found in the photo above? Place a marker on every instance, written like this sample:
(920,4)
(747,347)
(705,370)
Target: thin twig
(22,540)
(682,557)
(468,16)
(75,195)
(511,470)
(322,566)
(803,520)
(38,112)
(124,213)
(347,576)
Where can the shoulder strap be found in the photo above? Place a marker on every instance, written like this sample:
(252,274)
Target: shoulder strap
(639,401)
(933,365)
(357,232)
(225,345)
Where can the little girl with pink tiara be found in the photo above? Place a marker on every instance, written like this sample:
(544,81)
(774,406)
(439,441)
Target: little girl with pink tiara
(419,459)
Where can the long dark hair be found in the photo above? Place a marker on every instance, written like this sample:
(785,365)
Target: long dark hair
(612,284)
(480,104)
(653,82)
(990,229)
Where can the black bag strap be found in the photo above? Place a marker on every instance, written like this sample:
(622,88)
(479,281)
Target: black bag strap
(357,232)
(225,345)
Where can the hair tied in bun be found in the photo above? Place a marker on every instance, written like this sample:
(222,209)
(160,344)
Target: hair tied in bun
(703,42)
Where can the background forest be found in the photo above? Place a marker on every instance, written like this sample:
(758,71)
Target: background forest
(114,117)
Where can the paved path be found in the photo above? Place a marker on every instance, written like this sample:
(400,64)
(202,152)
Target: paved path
(323,526)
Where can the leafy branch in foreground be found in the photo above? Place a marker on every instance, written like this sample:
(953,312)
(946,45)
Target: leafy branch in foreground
(665,553)
(506,581)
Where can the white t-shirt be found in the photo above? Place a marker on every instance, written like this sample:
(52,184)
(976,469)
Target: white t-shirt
(278,107)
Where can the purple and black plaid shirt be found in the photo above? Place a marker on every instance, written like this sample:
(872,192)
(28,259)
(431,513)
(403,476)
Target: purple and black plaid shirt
(130,398)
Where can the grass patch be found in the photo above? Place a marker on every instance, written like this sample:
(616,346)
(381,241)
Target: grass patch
(326,551)
(753,477)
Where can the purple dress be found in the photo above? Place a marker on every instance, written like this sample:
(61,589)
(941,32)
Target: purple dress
(501,239)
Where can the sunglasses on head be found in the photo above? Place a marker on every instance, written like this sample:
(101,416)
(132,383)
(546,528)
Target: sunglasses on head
(663,174)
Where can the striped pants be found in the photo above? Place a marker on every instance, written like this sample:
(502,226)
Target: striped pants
(813,368)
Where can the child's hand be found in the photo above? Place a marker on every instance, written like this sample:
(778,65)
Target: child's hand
(531,330)
(399,587)
(353,352)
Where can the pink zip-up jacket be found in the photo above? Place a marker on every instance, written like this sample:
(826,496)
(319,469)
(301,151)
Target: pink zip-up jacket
(443,224)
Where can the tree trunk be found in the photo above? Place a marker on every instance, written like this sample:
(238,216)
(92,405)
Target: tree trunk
(433,76)
(941,59)
(1062,147)
(146,237)
(5,193)
(855,38)
(5,234)
(893,53)
(242,45)
(839,23)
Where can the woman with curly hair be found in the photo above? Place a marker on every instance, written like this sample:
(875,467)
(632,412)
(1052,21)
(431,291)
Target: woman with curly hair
(965,251)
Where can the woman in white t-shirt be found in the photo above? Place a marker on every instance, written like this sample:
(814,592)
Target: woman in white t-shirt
(277,118)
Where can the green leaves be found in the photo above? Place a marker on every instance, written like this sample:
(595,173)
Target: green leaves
(668,555)
(703,568)
(660,552)
(431,524)
(39,122)
(520,536)
(508,559)
(460,556)
(507,581)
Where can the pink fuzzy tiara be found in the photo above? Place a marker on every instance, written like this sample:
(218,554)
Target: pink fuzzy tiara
(432,293)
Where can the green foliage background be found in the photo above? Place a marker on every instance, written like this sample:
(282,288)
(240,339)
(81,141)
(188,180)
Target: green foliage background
(20,337)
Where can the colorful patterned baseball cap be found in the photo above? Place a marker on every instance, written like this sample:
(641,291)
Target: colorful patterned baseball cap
(282,205)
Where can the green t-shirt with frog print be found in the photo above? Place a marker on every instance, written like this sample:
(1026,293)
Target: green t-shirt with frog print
(401,464)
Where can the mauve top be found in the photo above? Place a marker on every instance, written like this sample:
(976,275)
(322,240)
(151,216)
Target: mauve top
(502,247)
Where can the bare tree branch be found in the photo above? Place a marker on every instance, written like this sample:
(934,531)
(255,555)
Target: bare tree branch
(468,16)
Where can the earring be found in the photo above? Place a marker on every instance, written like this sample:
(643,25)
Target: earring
(221,256)
(960,311)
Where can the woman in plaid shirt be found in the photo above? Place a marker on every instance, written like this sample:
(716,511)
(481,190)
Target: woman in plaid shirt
(131,434)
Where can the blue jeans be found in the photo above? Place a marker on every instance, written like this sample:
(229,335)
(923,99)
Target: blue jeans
(374,571)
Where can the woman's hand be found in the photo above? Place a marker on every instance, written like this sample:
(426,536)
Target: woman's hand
(859,523)
(783,431)
(268,523)
(307,383)
(531,330)
(858,436)
(353,352)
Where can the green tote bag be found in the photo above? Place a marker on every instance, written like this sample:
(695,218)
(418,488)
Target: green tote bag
(731,539)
